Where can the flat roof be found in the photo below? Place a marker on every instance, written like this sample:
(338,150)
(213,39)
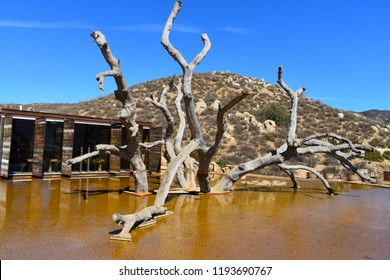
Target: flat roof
(35,114)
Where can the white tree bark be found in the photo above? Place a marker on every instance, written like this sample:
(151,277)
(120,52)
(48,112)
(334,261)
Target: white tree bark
(170,146)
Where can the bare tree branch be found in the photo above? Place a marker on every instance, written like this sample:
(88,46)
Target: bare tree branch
(221,121)
(294,108)
(310,169)
(181,114)
(149,145)
(329,135)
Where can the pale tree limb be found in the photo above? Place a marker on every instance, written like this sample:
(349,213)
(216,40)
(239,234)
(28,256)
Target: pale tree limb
(205,160)
(292,177)
(162,106)
(169,141)
(329,135)
(182,119)
(101,149)
(349,165)
(335,151)
(172,170)
(149,145)
(83,157)
(221,121)
(291,141)
(189,175)
(312,170)
(100,78)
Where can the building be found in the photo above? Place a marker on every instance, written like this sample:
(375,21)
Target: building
(36,143)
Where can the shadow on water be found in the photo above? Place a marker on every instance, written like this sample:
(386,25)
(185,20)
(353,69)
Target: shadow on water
(87,193)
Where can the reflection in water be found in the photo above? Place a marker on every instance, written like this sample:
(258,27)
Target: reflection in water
(71,219)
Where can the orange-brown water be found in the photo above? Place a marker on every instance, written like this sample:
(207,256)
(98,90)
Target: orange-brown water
(71,219)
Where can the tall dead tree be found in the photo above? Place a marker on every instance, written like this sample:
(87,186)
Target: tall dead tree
(204,152)
(131,151)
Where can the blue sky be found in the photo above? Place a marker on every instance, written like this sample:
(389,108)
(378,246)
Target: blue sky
(338,49)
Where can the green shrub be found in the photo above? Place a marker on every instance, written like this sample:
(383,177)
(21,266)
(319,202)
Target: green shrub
(354,138)
(386,155)
(270,137)
(277,113)
(220,161)
(377,142)
(374,156)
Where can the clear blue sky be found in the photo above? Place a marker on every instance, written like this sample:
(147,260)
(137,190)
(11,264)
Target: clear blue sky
(338,49)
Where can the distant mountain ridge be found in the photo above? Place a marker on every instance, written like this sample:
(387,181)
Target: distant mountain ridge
(380,115)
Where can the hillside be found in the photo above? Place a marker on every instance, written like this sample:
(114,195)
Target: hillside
(246,134)
(379,115)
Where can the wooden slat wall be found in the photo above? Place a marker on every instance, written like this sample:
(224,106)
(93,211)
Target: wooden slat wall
(116,139)
(39,145)
(155,152)
(67,146)
(6,146)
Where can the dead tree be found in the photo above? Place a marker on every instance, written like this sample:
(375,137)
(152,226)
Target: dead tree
(131,151)
(295,147)
(204,153)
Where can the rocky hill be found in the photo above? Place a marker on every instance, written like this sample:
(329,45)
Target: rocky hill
(256,125)
(379,115)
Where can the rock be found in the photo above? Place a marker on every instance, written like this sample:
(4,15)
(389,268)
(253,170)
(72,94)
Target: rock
(215,105)
(239,115)
(260,126)
(269,125)
(214,167)
(200,106)
(340,116)
(236,85)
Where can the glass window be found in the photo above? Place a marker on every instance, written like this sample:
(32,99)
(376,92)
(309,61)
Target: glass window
(125,164)
(22,146)
(52,154)
(145,137)
(86,137)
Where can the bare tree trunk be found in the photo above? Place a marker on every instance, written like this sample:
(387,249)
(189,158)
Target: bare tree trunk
(170,146)
(188,70)
(126,115)
(204,153)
